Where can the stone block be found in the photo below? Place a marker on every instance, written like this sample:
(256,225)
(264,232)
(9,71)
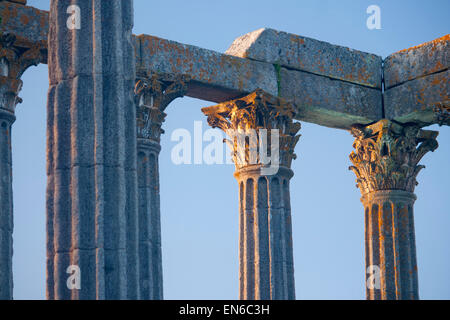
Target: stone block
(328,102)
(417,100)
(28,24)
(310,55)
(422,60)
(215,76)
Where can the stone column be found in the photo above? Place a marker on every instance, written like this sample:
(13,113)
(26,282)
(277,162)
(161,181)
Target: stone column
(385,162)
(153,93)
(91,143)
(255,124)
(13,62)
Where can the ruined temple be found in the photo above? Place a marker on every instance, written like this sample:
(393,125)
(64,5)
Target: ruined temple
(107,99)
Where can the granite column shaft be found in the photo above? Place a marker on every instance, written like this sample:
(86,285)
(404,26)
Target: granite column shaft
(91,152)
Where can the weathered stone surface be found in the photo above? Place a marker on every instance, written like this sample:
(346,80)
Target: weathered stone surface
(419,100)
(390,246)
(219,77)
(28,24)
(386,164)
(306,54)
(6,208)
(215,76)
(387,155)
(328,102)
(153,93)
(91,137)
(17,1)
(266,263)
(9,89)
(13,62)
(417,83)
(150,251)
(422,60)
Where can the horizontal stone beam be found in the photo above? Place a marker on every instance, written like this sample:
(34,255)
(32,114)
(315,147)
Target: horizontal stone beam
(29,25)
(329,102)
(215,76)
(417,83)
(331,85)
(220,77)
(419,61)
(422,100)
(309,55)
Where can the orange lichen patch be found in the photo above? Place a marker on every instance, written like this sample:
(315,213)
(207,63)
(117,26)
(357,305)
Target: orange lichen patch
(434,43)
(439,81)
(26,23)
(24,19)
(297,40)
(43,20)
(438,67)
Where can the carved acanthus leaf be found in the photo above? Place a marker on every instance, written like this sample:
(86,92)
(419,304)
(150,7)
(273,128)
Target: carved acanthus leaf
(387,154)
(258,113)
(153,93)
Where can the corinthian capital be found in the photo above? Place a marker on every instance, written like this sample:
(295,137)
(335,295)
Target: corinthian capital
(153,93)
(14,60)
(255,117)
(13,63)
(387,154)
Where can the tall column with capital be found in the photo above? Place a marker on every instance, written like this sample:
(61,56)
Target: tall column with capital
(262,137)
(385,162)
(153,93)
(13,62)
(92,247)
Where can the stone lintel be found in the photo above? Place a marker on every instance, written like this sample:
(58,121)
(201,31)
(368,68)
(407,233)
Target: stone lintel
(416,83)
(331,85)
(245,117)
(228,76)
(419,61)
(329,102)
(424,100)
(310,55)
(17,1)
(219,77)
(29,25)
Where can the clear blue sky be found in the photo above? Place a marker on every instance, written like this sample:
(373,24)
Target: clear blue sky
(199,203)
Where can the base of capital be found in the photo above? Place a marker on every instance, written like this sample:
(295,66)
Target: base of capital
(388,195)
(148,144)
(7,115)
(261,171)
